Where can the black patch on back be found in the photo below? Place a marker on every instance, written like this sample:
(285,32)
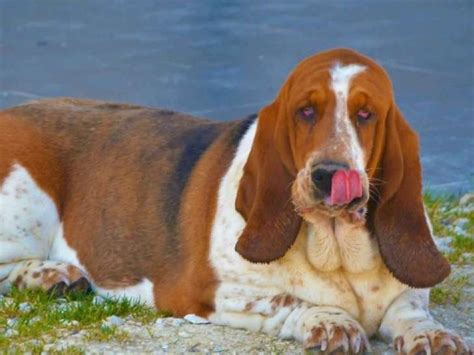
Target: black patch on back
(194,142)
(240,129)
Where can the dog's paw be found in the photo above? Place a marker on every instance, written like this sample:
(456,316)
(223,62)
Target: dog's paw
(334,332)
(430,341)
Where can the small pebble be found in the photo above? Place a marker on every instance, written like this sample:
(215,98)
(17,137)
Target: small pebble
(459,230)
(34,320)
(467,199)
(98,300)
(69,322)
(194,319)
(11,322)
(176,322)
(184,334)
(62,307)
(160,323)
(443,244)
(462,222)
(25,307)
(113,321)
(11,333)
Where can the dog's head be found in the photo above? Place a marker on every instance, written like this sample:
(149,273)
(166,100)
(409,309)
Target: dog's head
(335,142)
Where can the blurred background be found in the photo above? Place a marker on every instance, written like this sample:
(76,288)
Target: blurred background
(226,59)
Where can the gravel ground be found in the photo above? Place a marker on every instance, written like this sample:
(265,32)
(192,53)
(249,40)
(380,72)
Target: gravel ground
(175,335)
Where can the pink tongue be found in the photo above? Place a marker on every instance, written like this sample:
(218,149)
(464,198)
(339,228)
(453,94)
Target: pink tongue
(345,187)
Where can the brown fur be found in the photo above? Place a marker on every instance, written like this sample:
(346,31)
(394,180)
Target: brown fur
(264,197)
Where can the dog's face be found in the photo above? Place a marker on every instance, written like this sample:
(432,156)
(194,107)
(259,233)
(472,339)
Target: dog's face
(334,141)
(333,109)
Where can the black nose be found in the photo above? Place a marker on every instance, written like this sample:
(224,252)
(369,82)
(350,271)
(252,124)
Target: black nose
(322,179)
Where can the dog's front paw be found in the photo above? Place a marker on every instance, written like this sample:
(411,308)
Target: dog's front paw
(334,332)
(430,341)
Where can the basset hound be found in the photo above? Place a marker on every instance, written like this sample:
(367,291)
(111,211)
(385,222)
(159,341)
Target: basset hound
(305,222)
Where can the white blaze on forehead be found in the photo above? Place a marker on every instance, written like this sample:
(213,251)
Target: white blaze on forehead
(341,77)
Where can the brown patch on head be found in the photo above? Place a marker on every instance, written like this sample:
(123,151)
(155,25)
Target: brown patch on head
(375,288)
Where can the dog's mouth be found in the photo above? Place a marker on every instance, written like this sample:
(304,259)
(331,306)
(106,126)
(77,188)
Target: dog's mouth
(331,192)
(353,214)
(355,210)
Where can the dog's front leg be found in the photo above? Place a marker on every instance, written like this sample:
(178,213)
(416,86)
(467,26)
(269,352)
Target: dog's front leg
(410,326)
(318,327)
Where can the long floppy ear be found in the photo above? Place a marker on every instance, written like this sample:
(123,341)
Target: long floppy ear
(264,197)
(399,219)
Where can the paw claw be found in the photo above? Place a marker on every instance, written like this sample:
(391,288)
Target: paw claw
(432,341)
(335,334)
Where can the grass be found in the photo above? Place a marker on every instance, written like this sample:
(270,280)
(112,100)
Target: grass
(30,319)
(449,219)
(450,291)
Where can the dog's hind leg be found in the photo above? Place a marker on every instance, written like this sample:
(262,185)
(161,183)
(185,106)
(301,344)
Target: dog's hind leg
(29,221)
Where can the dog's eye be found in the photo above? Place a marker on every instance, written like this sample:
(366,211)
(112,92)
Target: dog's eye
(363,116)
(307,113)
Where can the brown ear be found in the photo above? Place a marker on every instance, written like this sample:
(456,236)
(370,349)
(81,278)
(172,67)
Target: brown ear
(399,220)
(264,197)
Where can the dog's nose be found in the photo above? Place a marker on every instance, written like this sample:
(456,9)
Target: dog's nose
(322,179)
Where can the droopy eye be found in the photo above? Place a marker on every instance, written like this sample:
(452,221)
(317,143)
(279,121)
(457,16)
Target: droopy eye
(307,113)
(363,116)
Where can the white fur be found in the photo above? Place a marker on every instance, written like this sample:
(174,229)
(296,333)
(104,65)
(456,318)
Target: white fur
(61,251)
(341,77)
(28,222)
(28,218)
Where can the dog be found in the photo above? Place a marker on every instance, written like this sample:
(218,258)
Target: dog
(305,221)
